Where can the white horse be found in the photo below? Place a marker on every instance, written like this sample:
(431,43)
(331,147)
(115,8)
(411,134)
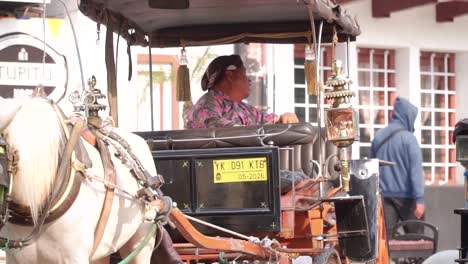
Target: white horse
(32,128)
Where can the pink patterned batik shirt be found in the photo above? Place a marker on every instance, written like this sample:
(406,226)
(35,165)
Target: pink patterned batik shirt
(215,109)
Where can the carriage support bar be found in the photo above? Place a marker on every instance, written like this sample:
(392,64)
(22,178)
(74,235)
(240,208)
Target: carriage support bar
(222,244)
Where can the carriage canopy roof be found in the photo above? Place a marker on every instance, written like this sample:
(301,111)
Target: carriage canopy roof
(209,22)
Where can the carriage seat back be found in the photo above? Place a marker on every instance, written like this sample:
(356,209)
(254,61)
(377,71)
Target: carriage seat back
(301,138)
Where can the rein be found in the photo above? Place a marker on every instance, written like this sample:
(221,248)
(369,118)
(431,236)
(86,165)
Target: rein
(67,156)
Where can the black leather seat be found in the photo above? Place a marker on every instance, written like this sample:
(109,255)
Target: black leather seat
(301,140)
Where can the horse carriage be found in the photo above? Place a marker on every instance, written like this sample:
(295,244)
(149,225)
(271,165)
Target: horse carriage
(279,193)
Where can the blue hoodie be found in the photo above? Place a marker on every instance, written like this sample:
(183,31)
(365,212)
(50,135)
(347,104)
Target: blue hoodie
(406,179)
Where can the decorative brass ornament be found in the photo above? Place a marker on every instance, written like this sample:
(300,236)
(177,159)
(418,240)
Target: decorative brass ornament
(341,119)
(92,97)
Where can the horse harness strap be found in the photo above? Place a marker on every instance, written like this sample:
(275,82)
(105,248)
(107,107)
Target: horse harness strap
(109,177)
(68,180)
(64,192)
(104,139)
(151,184)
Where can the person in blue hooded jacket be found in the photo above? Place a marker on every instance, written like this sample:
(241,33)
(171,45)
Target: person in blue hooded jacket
(402,185)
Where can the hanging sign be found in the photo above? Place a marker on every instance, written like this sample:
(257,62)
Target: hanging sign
(24,65)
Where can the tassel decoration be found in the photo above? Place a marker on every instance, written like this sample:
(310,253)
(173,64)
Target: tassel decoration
(183,79)
(310,70)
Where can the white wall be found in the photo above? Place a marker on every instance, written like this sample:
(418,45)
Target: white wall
(283,72)
(412,27)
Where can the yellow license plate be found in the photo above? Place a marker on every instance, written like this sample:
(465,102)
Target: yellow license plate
(240,170)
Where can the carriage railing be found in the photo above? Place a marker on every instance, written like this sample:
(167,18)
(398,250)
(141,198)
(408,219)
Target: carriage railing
(262,138)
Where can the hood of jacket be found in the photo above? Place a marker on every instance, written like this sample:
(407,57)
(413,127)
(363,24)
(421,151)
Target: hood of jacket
(404,113)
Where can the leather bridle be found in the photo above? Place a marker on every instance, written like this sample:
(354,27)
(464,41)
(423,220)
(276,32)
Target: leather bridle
(9,160)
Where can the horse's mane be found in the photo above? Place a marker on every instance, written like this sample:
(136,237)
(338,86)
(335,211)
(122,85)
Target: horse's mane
(36,134)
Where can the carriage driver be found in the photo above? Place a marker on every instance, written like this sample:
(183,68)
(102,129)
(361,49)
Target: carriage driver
(227,85)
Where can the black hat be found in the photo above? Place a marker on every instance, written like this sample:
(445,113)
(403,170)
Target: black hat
(215,71)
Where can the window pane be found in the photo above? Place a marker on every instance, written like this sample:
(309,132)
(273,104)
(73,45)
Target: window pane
(379,98)
(391,60)
(378,61)
(439,118)
(300,112)
(391,97)
(313,114)
(364,97)
(363,58)
(451,120)
(364,116)
(389,113)
(425,65)
(426,136)
(427,156)
(391,80)
(312,99)
(439,83)
(451,83)
(363,78)
(451,63)
(439,63)
(426,118)
(452,156)
(439,137)
(425,82)
(451,101)
(299,61)
(364,134)
(426,100)
(440,173)
(439,101)
(379,79)
(427,173)
(452,174)
(299,77)
(439,155)
(379,117)
(299,95)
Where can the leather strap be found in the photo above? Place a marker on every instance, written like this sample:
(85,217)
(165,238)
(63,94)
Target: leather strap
(62,172)
(388,138)
(109,176)
(111,74)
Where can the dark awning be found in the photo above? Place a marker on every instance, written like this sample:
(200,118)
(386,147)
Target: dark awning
(280,21)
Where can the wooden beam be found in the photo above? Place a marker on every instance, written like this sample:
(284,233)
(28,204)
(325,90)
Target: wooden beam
(446,11)
(383,8)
